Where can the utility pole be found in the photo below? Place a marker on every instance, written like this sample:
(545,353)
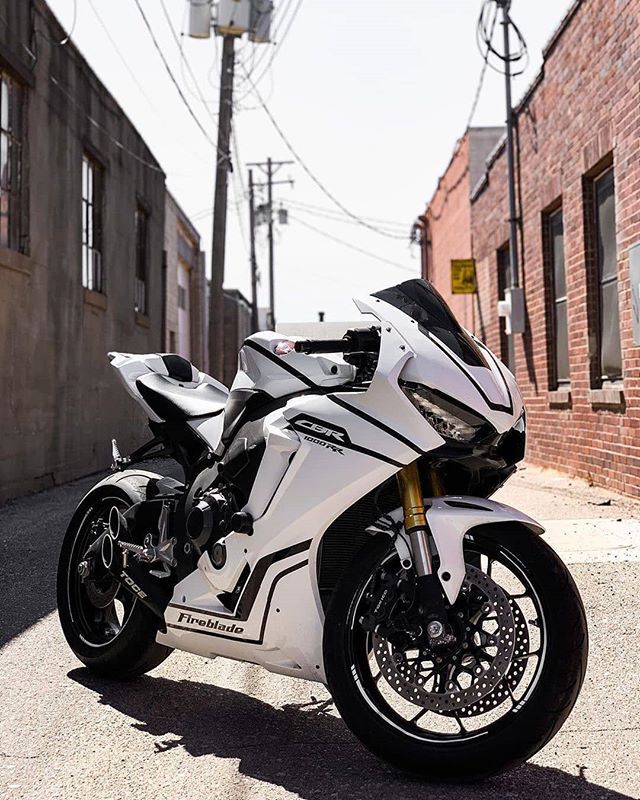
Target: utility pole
(513,214)
(233,18)
(216,300)
(272,295)
(254,264)
(512,307)
(270,167)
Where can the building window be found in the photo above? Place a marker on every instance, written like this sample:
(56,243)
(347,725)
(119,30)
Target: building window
(92,206)
(507,345)
(11,178)
(557,307)
(605,284)
(142,260)
(182,297)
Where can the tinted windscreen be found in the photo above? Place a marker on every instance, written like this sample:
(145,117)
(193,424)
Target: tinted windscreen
(420,301)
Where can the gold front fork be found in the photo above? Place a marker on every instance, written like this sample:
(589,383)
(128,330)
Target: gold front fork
(415,517)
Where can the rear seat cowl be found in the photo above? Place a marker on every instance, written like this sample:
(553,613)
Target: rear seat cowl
(176,403)
(179,368)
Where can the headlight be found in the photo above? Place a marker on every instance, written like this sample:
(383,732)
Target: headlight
(449,420)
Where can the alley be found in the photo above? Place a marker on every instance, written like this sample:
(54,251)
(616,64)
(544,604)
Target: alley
(217,729)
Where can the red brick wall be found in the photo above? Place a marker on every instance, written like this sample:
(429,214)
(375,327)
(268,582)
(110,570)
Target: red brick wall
(584,109)
(448,218)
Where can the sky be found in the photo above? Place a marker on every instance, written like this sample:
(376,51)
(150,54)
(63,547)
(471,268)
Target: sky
(371,94)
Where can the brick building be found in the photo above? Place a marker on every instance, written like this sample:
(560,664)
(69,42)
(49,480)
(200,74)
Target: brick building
(579,193)
(446,224)
(185,287)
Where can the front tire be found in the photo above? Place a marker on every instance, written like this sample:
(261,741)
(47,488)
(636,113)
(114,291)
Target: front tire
(373,709)
(108,629)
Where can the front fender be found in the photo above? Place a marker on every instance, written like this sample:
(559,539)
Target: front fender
(450,518)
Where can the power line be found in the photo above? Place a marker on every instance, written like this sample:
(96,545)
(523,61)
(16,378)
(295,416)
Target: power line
(172,76)
(337,216)
(277,20)
(278,44)
(352,246)
(184,61)
(484,39)
(73,24)
(100,127)
(313,177)
(482,71)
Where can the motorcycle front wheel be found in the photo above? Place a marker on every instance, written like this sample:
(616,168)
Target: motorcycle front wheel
(477,707)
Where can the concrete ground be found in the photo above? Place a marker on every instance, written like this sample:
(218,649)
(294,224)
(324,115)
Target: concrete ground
(217,729)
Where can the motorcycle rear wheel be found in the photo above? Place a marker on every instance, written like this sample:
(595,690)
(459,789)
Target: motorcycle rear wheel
(417,720)
(108,629)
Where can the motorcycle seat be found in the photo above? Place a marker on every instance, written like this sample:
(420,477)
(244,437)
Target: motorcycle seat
(173,402)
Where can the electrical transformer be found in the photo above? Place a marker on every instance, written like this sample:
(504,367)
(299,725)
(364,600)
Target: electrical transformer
(200,19)
(233,17)
(261,12)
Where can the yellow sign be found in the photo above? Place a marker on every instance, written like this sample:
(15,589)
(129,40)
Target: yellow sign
(463,276)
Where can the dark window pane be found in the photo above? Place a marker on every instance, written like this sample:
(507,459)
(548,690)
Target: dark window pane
(92,204)
(561,342)
(606,226)
(556,230)
(610,353)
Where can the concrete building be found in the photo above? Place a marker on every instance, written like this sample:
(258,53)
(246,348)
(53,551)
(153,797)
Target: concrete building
(81,230)
(578,362)
(237,326)
(186,310)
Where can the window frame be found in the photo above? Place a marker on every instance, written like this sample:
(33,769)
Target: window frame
(594,267)
(141,277)
(92,238)
(549,216)
(12,131)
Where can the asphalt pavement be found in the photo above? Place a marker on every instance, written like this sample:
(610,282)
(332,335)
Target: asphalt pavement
(218,729)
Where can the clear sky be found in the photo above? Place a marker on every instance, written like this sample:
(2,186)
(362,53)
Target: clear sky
(372,94)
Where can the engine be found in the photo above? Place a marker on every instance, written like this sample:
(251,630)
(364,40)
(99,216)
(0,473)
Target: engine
(214,515)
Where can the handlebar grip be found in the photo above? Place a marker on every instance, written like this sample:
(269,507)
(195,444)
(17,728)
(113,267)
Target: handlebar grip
(321,346)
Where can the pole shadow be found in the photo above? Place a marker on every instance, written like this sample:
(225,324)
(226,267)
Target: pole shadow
(300,746)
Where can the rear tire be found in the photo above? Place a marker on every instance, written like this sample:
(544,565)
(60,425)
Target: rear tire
(133,650)
(516,736)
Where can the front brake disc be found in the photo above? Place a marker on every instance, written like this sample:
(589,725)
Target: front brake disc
(468,681)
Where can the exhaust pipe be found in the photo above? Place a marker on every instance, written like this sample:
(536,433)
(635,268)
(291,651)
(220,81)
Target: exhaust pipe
(133,577)
(117,523)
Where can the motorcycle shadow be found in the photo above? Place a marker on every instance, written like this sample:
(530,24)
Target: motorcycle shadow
(301,747)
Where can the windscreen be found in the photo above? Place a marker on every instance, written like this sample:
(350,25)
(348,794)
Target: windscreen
(420,301)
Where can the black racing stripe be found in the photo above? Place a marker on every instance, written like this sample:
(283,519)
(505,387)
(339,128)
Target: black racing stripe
(379,456)
(504,380)
(376,423)
(279,360)
(493,406)
(348,446)
(265,616)
(250,592)
(299,375)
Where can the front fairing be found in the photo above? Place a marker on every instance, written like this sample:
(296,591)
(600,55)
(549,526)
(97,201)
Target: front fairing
(425,345)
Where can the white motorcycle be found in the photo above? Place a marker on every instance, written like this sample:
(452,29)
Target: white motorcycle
(333,525)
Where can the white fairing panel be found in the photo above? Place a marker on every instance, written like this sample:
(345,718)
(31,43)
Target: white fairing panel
(278,621)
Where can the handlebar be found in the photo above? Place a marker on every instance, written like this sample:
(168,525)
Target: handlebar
(356,340)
